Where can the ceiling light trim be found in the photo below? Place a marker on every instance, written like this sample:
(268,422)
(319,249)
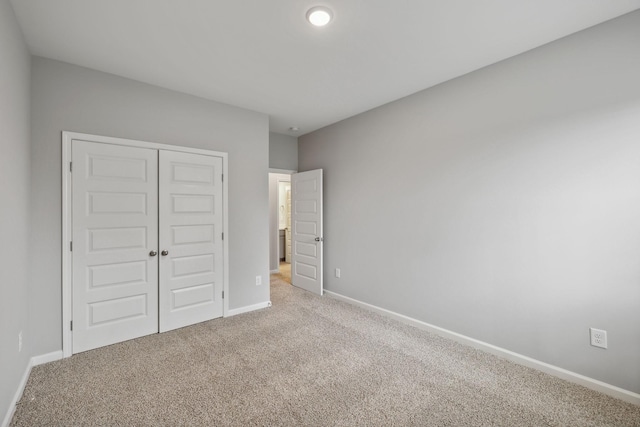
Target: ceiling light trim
(319,16)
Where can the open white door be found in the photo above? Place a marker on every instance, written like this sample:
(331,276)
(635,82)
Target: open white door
(306,198)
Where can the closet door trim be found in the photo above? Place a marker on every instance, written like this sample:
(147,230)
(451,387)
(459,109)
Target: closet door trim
(67,224)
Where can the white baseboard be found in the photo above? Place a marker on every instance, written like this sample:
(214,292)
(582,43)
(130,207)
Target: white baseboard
(34,361)
(46,358)
(593,384)
(277,270)
(248,308)
(16,397)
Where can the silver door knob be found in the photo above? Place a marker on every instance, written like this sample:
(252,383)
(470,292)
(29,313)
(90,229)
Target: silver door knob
(319,239)
(153,253)
(164,253)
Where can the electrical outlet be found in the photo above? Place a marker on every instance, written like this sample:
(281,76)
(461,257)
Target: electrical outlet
(598,337)
(19,341)
(338,273)
(258,280)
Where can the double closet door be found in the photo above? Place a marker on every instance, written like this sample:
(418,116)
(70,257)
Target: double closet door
(147,252)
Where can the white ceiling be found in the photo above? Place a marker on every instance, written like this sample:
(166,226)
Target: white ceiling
(262,54)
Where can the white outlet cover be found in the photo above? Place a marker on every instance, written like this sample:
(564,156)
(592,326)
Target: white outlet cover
(598,337)
(258,280)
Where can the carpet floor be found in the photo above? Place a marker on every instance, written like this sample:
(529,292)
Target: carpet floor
(306,361)
(284,273)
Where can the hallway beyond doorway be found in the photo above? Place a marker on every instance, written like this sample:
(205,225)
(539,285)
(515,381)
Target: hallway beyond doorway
(284,273)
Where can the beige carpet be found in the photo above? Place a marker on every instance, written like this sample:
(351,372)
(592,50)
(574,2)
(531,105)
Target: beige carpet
(284,273)
(306,361)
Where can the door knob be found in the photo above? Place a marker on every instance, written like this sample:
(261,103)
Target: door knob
(319,239)
(164,253)
(153,253)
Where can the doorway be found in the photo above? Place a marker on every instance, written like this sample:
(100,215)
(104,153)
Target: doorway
(284,229)
(299,263)
(280,225)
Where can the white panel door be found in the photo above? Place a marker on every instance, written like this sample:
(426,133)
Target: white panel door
(191,260)
(306,266)
(115,223)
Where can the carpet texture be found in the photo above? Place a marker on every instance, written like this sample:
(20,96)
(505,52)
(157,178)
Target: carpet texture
(285,272)
(306,361)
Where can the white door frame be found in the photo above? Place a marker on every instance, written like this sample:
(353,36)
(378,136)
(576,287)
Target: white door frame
(67,225)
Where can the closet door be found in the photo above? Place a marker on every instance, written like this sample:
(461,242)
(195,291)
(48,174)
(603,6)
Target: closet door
(191,260)
(115,239)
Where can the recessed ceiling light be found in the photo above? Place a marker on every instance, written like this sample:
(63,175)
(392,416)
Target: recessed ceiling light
(293,129)
(319,16)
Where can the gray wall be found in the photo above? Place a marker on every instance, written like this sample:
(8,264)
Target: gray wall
(68,97)
(503,205)
(14,208)
(283,151)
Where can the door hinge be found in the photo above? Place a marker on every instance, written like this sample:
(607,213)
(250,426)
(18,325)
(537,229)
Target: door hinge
(71,246)
(222,177)
(222,294)
(71,324)
(70,166)
(222,236)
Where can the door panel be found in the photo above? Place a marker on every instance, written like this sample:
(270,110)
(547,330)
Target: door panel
(115,224)
(306,271)
(191,279)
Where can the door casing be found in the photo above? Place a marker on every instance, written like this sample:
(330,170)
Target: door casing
(67,224)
